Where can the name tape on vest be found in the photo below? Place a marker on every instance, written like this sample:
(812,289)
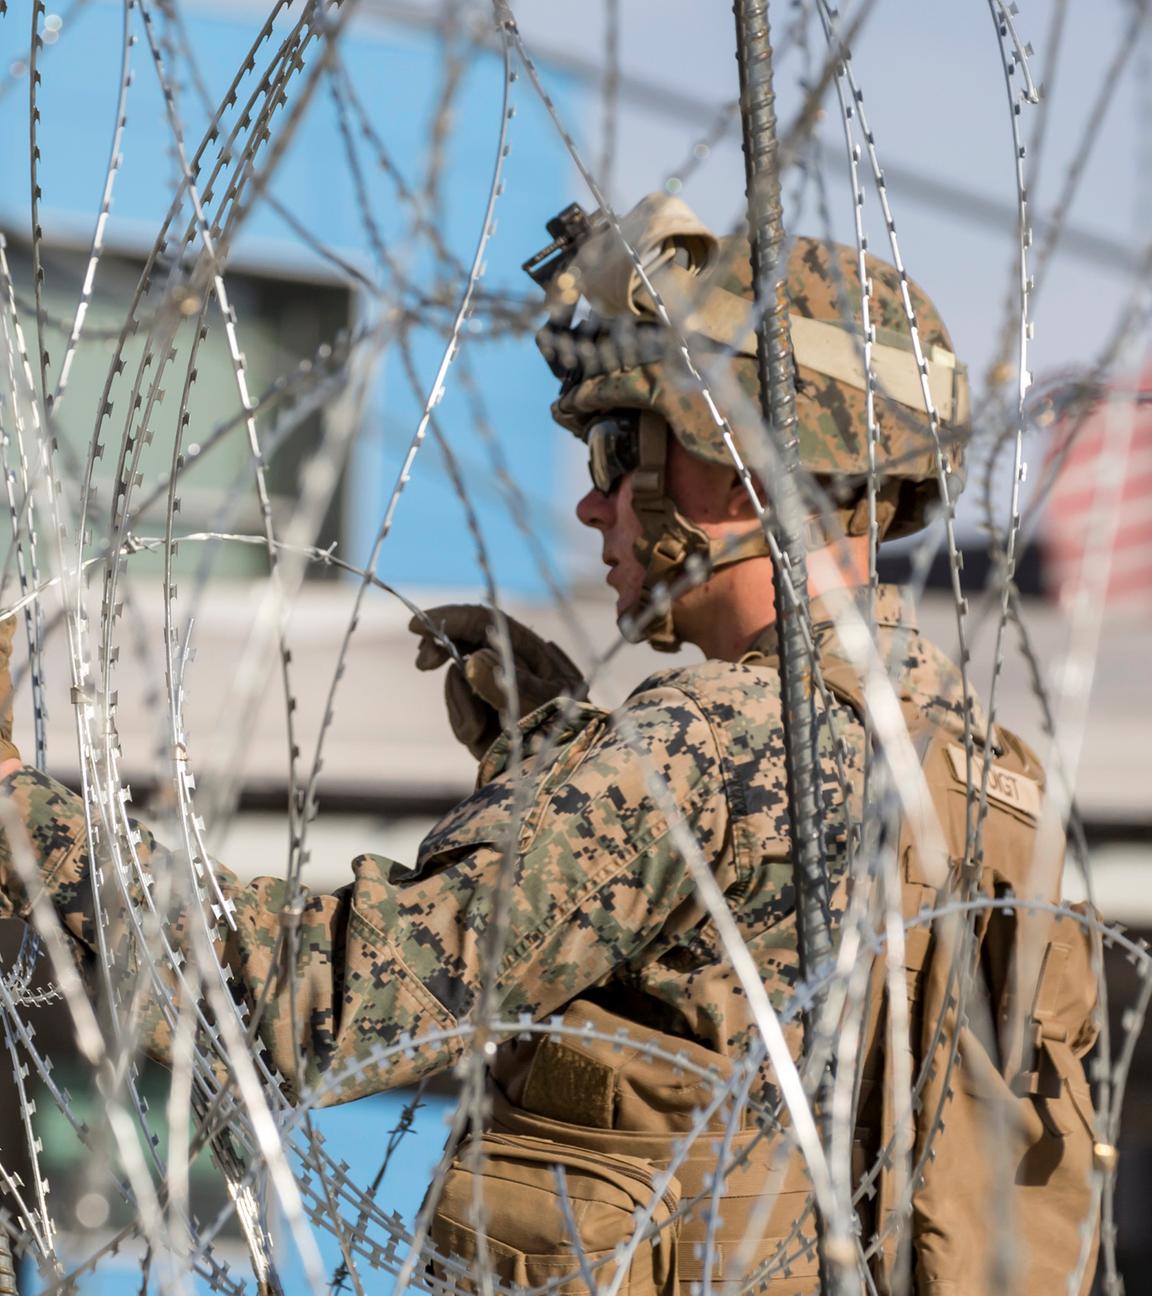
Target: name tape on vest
(1004,785)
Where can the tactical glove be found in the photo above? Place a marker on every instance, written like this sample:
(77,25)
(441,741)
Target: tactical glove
(474,690)
(8,749)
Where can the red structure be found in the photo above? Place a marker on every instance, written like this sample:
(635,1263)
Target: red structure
(1099,511)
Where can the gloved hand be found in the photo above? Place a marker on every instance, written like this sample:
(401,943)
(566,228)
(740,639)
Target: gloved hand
(8,749)
(474,693)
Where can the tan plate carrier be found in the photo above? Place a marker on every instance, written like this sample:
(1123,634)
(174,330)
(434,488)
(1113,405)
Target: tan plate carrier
(1007,1200)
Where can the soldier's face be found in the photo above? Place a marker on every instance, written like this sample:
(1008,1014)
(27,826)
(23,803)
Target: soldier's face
(613,516)
(702,492)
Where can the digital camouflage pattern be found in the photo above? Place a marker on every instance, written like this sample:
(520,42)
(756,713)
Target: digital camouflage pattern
(600,896)
(831,417)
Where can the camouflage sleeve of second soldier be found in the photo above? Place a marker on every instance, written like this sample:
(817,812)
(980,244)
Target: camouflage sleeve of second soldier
(400,954)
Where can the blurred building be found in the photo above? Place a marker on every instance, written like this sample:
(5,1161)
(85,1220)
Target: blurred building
(1098,520)
(367,197)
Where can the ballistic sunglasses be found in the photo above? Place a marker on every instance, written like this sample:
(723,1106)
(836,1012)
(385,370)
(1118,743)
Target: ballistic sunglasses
(613,442)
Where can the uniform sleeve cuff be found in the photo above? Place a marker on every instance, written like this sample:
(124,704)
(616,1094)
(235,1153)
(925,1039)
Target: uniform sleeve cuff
(50,820)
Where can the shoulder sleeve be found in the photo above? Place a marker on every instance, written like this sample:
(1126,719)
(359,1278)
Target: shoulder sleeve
(549,896)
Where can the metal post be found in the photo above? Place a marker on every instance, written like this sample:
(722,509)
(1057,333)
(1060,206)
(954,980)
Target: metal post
(778,400)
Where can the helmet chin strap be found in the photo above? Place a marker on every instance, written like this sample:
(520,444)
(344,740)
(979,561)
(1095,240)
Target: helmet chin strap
(669,541)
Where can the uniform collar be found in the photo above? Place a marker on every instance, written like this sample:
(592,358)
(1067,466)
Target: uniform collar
(891,608)
(924,675)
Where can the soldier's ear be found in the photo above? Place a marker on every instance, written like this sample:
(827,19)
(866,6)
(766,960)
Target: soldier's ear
(738,507)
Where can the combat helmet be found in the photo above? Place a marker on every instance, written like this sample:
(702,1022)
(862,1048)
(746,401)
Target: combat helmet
(624,355)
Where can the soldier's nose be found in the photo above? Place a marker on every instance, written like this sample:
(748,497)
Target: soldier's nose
(595,509)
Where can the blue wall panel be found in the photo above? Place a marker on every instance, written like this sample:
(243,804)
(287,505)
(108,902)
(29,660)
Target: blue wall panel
(398,74)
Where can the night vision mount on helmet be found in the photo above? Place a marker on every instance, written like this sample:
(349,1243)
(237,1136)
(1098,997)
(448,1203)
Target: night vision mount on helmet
(622,355)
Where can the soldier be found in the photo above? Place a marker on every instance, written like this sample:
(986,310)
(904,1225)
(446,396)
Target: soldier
(574,838)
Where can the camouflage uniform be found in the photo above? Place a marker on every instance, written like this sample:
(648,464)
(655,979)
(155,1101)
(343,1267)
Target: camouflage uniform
(601,900)
(602,912)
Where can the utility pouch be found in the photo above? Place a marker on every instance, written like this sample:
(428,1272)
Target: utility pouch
(1062,1030)
(535,1212)
(608,1086)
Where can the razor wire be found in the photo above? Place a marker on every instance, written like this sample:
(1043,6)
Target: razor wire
(73,567)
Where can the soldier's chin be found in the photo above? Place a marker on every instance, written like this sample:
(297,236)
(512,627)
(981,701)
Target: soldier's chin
(637,621)
(632,624)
